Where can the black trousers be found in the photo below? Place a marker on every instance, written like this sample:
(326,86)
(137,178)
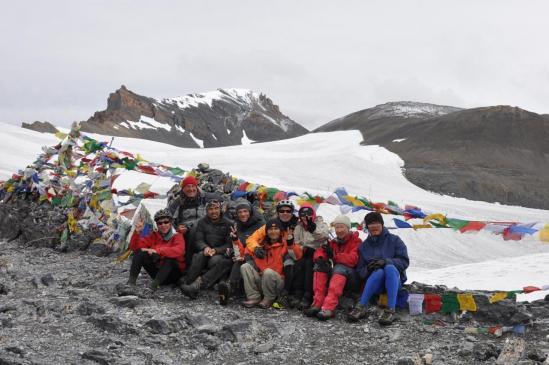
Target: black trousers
(216,267)
(162,270)
(303,275)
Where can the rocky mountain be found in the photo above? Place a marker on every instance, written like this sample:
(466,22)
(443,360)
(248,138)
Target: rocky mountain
(498,153)
(219,118)
(42,127)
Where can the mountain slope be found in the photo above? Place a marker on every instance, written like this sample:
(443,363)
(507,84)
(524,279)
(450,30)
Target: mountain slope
(220,118)
(495,153)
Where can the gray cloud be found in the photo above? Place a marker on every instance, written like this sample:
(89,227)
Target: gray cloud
(318,60)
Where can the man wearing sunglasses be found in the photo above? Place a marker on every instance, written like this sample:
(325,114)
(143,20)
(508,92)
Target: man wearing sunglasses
(160,253)
(212,240)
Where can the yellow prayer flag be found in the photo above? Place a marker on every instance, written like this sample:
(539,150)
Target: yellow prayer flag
(354,201)
(467,302)
(544,233)
(382,300)
(124,256)
(61,135)
(419,226)
(498,296)
(437,216)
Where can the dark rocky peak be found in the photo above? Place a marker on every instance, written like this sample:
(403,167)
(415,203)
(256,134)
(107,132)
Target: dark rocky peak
(42,127)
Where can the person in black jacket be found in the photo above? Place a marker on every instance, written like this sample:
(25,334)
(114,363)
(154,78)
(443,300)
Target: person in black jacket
(247,221)
(211,243)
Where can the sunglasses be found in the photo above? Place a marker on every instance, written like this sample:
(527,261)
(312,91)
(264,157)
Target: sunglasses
(159,223)
(285,211)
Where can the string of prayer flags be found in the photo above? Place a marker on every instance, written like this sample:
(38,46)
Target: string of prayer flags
(450,303)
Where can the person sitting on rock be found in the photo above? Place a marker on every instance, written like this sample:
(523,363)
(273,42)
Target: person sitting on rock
(310,233)
(211,243)
(383,259)
(160,253)
(187,209)
(263,272)
(334,264)
(247,221)
(288,221)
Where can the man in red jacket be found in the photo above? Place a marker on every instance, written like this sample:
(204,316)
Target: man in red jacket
(161,253)
(334,263)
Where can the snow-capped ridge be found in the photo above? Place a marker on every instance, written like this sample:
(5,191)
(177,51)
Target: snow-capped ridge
(411,109)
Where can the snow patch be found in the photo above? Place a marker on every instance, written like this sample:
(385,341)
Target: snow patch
(198,141)
(245,139)
(399,140)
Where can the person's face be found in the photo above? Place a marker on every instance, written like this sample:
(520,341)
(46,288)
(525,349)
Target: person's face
(164,225)
(285,214)
(375,228)
(214,212)
(243,215)
(190,190)
(273,233)
(341,230)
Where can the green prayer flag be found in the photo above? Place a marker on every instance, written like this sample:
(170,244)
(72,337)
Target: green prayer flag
(456,224)
(449,303)
(56,201)
(513,294)
(176,170)
(271,192)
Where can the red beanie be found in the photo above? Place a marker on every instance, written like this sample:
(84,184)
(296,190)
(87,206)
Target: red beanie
(189,180)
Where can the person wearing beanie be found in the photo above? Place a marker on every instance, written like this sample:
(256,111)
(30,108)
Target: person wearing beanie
(288,221)
(334,265)
(247,221)
(160,253)
(210,262)
(311,232)
(187,209)
(264,270)
(383,259)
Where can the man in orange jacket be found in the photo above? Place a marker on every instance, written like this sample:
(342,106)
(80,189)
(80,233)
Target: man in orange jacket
(161,253)
(265,273)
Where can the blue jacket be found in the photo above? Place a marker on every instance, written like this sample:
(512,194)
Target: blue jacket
(386,246)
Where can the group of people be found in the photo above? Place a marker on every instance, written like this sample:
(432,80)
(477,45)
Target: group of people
(289,260)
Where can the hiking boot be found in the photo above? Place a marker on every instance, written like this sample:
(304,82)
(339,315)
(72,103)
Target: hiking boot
(387,317)
(223,291)
(305,302)
(293,302)
(311,312)
(325,314)
(283,301)
(192,290)
(154,285)
(250,303)
(132,281)
(359,312)
(265,303)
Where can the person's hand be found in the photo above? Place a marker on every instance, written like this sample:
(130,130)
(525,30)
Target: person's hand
(182,228)
(150,251)
(259,252)
(311,225)
(233,234)
(329,251)
(290,240)
(208,251)
(375,264)
(139,226)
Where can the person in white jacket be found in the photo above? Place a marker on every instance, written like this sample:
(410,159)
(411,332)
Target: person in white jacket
(311,232)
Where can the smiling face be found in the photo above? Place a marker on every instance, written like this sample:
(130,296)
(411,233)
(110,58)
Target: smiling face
(341,230)
(164,225)
(273,233)
(375,228)
(214,212)
(190,190)
(243,215)
(285,214)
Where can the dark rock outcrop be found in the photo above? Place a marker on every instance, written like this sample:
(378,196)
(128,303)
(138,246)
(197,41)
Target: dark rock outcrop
(42,127)
(214,119)
(495,154)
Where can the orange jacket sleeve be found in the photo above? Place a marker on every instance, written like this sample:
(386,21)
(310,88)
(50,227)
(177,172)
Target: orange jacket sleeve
(256,239)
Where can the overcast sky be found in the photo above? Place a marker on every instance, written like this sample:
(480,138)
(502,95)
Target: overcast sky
(318,60)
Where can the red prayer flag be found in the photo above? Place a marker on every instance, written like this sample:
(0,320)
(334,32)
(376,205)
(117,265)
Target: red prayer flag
(530,289)
(473,226)
(433,303)
(146,169)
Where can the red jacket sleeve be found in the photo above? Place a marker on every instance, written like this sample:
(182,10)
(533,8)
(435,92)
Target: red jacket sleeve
(349,257)
(138,242)
(174,248)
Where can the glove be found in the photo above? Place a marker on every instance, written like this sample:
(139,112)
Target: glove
(260,252)
(290,240)
(329,252)
(311,226)
(229,252)
(322,266)
(375,264)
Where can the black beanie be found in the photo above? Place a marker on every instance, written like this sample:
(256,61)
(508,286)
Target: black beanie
(273,222)
(373,217)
